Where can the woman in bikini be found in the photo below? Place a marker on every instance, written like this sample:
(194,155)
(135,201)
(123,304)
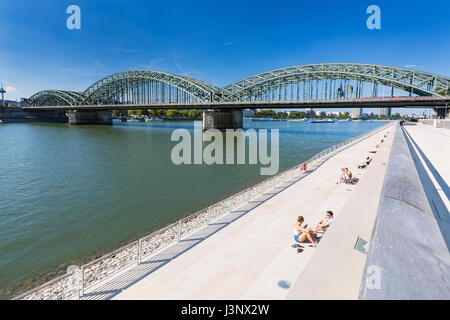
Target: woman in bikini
(345,176)
(301,233)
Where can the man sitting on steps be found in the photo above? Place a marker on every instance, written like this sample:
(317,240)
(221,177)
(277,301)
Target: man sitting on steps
(325,223)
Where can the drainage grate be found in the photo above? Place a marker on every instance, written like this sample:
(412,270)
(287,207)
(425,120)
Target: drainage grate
(362,245)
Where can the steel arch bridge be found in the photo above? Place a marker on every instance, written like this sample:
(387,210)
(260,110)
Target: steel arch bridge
(303,82)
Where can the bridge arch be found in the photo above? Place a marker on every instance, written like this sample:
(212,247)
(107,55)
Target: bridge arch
(55,98)
(409,80)
(145,85)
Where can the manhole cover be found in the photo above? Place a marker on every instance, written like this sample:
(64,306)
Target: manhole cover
(284,284)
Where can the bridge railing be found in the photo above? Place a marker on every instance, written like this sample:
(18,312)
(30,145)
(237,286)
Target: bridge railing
(73,284)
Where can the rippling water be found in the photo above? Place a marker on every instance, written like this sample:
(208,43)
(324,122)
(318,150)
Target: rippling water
(70,193)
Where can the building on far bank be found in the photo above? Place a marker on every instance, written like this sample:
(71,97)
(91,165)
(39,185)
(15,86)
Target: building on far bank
(13,103)
(334,113)
(321,113)
(310,112)
(385,111)
(365,115)
(356,113)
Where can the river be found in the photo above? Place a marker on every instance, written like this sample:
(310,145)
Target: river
(72,193)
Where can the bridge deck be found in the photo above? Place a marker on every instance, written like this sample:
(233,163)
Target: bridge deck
(379,102)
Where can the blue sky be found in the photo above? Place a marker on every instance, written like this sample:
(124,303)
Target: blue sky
(216,41)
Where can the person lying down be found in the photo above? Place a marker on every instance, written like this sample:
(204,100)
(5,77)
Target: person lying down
(365,163)
(378,146)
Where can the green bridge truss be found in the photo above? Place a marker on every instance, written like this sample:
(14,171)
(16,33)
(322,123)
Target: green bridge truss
(312,81)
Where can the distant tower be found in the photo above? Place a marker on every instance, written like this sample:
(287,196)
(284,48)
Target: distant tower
(2,91)
(385,111)
(357,113)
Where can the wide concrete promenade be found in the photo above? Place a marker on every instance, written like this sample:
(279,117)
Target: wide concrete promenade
(336,270)
(249,257)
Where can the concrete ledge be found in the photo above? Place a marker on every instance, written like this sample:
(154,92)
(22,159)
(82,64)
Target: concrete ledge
(19,115)
(407,245)
(437,123)
(335,270)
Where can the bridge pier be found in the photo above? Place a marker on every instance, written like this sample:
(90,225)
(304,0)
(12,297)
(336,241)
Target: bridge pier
(223,119)
(90,117)
(442,112)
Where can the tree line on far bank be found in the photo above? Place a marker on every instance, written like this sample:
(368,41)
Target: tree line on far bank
(159,113)
(272,114)
(302,115)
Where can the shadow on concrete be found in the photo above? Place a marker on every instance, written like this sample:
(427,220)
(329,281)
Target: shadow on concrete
(437,205)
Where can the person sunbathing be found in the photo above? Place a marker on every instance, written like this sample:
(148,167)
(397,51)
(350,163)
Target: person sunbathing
(378,146)
(349,179)
(346,175)
(324,223)
(365,163)
(342,176)
(301,233)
